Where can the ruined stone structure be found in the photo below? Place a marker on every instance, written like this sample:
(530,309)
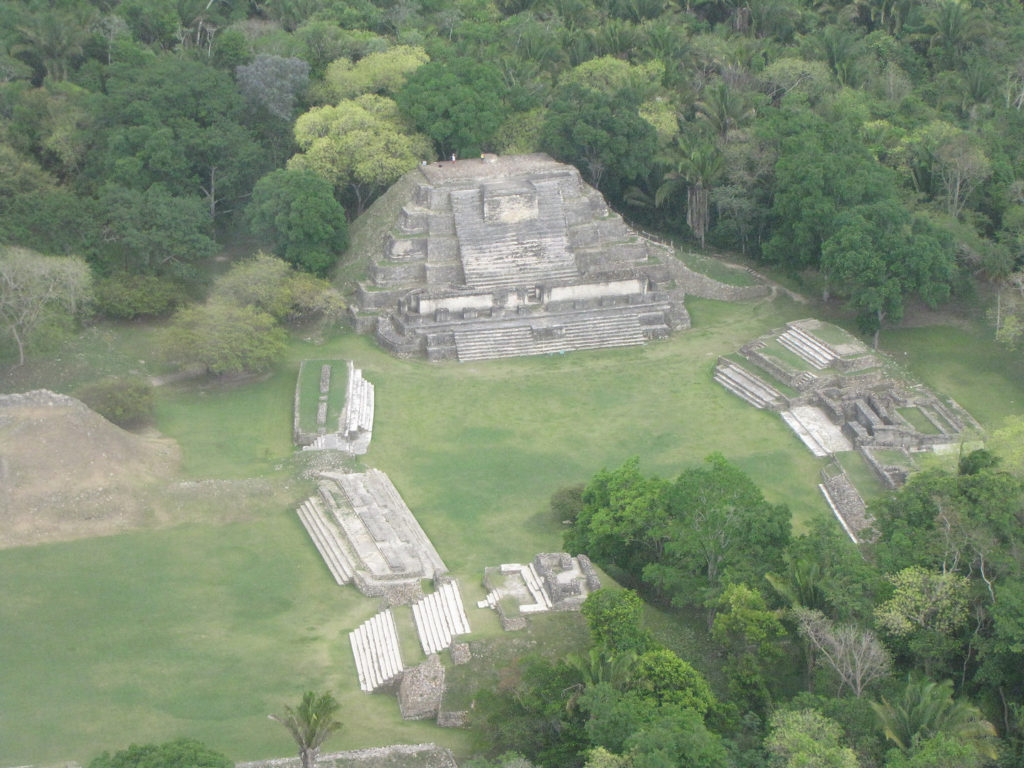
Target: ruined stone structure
(834,394)
(354,429)
(553,581)
(367,535)
(508,256)
(394,756)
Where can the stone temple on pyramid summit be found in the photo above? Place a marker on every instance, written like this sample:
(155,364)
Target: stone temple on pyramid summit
(496,257)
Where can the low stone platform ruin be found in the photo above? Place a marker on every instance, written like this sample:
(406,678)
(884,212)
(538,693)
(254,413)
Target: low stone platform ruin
(354,429)
(368,536)
(508,256)
(835,395)
(394,756)
(552,581)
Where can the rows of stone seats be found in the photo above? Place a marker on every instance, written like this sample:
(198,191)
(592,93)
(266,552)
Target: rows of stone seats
(358,403)
(376,652)
(807,347)
(747,385)
(596,331)
(327,441)
(439,617)
(327,540)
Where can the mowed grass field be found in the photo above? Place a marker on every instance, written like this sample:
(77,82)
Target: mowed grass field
(202,630)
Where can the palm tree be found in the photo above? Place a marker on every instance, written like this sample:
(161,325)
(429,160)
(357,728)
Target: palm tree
(927,708)
(696,169)
(55,38)
(310,724)
(598,666)
(724,108)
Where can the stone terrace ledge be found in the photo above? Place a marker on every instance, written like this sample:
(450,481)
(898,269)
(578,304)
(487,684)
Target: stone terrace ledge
(472,171)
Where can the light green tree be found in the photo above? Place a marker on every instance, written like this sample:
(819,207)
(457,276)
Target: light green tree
(359,146)
(807,739)
(379,72)
(36,289)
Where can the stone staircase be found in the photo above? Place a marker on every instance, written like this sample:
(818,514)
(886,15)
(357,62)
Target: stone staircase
(805,380)
(750,387)
(816,430)
(802,343)
(804,434)
(439,617)
(376,651)
(499,255)
(329,542)
(590,332)
(359,401)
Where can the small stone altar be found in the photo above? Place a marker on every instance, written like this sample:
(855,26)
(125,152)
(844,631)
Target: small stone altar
(552,581)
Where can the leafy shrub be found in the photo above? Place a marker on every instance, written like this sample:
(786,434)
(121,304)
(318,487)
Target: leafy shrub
(127,297)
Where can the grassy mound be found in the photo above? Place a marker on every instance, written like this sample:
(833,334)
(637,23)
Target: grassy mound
(67,473)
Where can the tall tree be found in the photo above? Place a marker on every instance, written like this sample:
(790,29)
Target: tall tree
(878,256)
(360,146)
(310,723)
(601,134)
(719,528)
(854,654)
(297,212)
(695,168)
(805,738)
(459,103)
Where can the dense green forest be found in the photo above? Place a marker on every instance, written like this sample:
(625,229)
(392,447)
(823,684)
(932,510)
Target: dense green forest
(871,149)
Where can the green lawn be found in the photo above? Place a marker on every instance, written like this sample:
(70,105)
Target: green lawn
(201,630)
(967,365)
(194,631)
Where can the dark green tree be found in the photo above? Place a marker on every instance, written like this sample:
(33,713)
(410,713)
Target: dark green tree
(600,133)
(296,211)
(458,102)
(177,122)
(719,529)
(183,753)
(878,256)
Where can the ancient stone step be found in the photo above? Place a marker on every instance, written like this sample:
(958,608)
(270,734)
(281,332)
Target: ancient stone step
(376,651)
(326,539)
(747,385)
(440,616)
(803,433)
(807,347)
(593,332)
